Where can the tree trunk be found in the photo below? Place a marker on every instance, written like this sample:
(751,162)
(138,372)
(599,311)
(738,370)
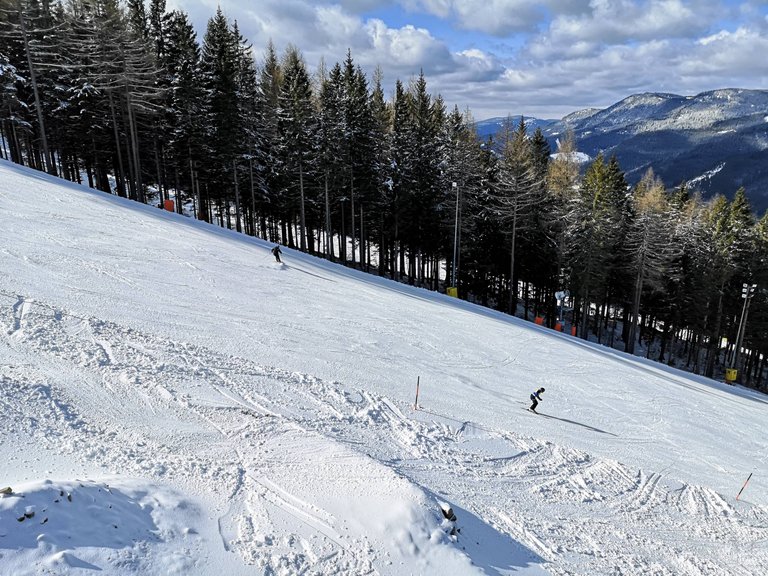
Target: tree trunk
(135,149)
(238,226)
(328,235)
(714,343)
(47,164)
(303,230)
(512,284)
(352,212)
(630,347)
(160,187)
(253,198)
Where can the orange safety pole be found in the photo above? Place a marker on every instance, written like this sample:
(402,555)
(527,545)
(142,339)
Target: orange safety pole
(745,485)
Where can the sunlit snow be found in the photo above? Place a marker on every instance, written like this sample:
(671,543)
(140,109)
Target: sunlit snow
(173,401)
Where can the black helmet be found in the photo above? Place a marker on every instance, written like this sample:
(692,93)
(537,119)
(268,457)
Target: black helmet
(542,389)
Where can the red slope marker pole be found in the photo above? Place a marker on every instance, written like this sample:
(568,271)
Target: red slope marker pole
(416,404)
(745,485)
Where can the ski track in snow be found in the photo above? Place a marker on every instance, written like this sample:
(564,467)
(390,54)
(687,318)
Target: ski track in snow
(579,514)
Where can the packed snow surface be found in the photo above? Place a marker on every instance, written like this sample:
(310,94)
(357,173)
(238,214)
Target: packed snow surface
(173,401)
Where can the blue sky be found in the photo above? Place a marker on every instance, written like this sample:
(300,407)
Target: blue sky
(499,57)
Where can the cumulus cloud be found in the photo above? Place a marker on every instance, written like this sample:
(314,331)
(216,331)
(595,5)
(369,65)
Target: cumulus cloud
(545,58)
(408,48)
(617,21)
(740,52)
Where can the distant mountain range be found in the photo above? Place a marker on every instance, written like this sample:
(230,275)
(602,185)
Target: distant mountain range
(715,141)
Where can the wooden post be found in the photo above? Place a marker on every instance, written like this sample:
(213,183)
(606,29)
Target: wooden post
(737,495)
(416,404)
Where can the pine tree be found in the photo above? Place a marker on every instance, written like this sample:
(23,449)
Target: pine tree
(330,144)
(403,176)
(27,28)
(743,242)
(562,184)
(755,339)
(717,268)
(115,76)
(253,144)
(462,166)
(268,169)
(296,129)
(650,245)
(381,114)
(157,28)
(422,148)
(181,64)
(137,18)
(10,123)
(593,222)
(539,263)
(219,79)
(516,193)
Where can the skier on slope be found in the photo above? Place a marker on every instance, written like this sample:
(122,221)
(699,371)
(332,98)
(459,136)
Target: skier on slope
(276,252)
(535,398)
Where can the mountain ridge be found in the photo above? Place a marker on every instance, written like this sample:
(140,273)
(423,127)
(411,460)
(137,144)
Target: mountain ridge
(714,142)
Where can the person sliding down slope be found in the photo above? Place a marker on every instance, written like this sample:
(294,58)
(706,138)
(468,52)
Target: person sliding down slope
(276,252)
(535,398)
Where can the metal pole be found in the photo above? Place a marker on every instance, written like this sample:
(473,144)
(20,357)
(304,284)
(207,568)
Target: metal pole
(745,485)
(747,292)
(738,332)
(455,237)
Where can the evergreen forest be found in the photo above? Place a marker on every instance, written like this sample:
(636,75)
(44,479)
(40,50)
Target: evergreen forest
(124,97)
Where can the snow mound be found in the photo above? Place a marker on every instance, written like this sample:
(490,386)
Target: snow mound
(60,526)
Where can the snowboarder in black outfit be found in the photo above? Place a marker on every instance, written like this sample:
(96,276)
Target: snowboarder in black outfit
(535,397)
(276,251)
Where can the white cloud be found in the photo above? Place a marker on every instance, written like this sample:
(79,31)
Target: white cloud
(407,49)
(477,66)
(339,28)
(568,54)
(617,21)
(740,52)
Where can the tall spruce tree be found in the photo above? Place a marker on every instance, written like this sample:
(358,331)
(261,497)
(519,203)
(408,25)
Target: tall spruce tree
(181,64)
(462,165)
(404,167)
(516,193)
(330,144)
(27,29)
(650,245)
(381,115)
(423,149)
(219,61)
(592,229)
(267,103)
(296,131)
(358,124)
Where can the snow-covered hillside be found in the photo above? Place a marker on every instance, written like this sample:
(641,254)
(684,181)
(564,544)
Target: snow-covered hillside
(714,142)
(172,401)
(655,111)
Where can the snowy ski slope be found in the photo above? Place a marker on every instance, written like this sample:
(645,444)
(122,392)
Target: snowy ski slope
(172,401)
